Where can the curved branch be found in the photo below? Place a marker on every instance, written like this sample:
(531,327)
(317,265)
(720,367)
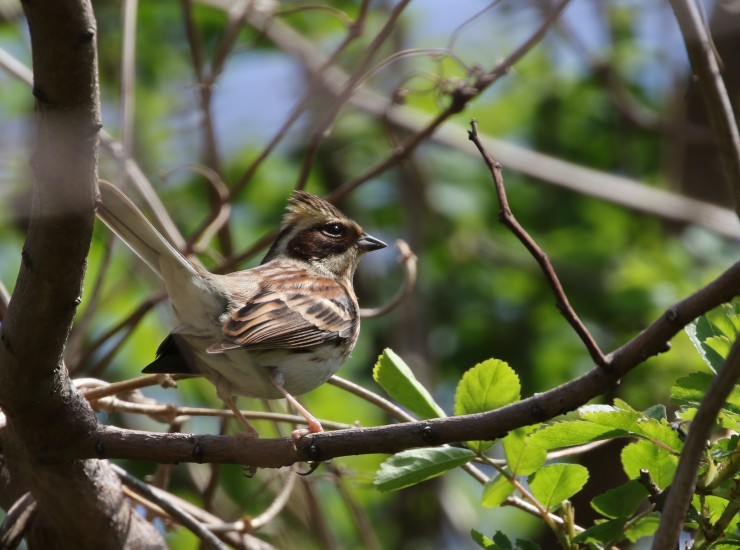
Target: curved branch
(704,64)
(408,261)
(507,218)
(113,442)
(684,482)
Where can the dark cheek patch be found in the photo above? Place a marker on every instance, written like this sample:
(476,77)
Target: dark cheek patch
(313,244)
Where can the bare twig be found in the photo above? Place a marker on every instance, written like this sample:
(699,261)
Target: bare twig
(175,511)
(613,188)
(408,261)
(684,482)
(349,87)
(705,66)
(507,218)
(354,31)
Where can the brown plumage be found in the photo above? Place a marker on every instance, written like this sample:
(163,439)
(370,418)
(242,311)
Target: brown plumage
(277,330)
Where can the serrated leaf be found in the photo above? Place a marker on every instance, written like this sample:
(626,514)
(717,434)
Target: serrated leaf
(690,390)
(487,386)
(634,422)
(496,491)
(602,532)
(644,455)
(398,381)
(557,482)
(698,331)
(643,527)
(408,468)
(522,457)
(499,541)
(620,501)
(720,344)
(657,412)
(571,433)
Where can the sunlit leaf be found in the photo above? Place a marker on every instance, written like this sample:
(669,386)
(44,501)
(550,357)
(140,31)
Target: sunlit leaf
(496,491)
(635,423)
(487,386)
(643,527)
(570,433)
(398,381)
(557,482)
(411,467)
(522,456)
(644,455)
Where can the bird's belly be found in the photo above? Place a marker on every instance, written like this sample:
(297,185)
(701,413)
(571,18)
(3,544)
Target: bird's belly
(248,373)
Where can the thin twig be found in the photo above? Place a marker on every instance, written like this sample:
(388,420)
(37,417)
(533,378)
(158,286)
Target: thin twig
(408,261)
(705,66)
(684,482)
(320,132)
(392,409)
(180,515)
(507,218)
(128,82)
(354,31)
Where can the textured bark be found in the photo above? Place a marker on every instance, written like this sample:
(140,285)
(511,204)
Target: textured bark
(80,503)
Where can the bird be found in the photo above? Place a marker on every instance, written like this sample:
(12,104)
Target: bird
(273,331)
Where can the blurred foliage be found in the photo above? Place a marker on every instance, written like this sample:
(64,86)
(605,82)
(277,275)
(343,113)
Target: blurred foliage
(479,294)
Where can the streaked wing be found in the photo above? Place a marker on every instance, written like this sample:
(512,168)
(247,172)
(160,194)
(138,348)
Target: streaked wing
(294,309)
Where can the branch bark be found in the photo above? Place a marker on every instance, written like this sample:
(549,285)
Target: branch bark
(684,482)
(44,411)
(110,442)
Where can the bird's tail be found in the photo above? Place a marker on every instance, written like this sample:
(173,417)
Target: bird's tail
(130,224)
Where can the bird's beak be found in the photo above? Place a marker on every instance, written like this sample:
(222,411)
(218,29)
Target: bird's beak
(366,243)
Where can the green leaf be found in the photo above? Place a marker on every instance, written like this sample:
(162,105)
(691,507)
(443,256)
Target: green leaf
(496,491)
(408,468)
(522,457)
(634,422)
(657,412)
(720,344)
(499,541)
(487,386)
(571,433)
(643,527)
(644,455)
(620,501)
(603,532)
(398,381)
(557,482)
(690,390)
(698,331)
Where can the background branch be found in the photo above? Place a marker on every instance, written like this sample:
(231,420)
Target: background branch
(704,64)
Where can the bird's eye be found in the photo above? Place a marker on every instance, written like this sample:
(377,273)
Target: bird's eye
(333,229)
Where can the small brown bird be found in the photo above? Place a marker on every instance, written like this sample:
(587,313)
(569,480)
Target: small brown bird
(277,330)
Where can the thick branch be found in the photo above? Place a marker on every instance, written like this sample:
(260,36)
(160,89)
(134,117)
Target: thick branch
(704,64)
(44,412)
(112,442)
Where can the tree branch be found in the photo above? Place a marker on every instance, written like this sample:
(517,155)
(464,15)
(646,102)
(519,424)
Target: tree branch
(111,442)
(684,482)
(43,410)
(704,64)
(507,218)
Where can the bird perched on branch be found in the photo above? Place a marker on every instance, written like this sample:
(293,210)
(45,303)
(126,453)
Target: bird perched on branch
(274,331)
